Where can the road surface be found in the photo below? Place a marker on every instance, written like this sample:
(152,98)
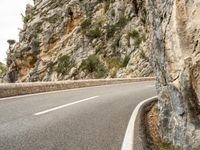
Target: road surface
(92,118)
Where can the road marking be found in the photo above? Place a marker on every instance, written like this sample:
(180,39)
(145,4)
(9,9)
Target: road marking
(63,106)
(67,90)
(129,135)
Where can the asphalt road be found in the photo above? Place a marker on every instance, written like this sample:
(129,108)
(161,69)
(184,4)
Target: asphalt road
(92,118)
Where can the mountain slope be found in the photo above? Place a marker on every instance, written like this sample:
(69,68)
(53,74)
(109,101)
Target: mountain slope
(2,70)
(75,39)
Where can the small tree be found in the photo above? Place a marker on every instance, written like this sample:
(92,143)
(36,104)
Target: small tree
(11,42)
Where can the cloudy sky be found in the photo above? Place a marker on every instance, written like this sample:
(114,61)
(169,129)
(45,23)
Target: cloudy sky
(10,21)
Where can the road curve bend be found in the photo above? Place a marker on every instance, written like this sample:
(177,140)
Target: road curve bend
(93,118)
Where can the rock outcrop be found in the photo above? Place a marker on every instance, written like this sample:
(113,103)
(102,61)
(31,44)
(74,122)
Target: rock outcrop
(173,29)
(2,70)
(76,39)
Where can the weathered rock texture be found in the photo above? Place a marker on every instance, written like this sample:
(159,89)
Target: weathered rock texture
(2,71)
(72,39)
(173,29)
(78,39)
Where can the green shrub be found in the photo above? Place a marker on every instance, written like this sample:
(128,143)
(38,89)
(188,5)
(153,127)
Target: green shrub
(98,49)
(114,73)
(117,62)
(138,42)
(64,64)
(92,65)
(2,70)
(11,42)
(29,15)
(50,65)
(122,22)
(101,72)
(86,23)
(110,30)
(94,33)
(136,36)
(114,62)
(125,61)
(115,45)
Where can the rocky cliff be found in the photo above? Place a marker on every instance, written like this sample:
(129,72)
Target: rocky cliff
(73,39)
(2,70)
(173,29)
(76,39)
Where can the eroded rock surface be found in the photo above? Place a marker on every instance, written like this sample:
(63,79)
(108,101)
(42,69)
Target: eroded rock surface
(76,39)
(173,27)
(2,70)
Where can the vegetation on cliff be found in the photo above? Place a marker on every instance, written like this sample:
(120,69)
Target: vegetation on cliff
(2,69)
(63,40)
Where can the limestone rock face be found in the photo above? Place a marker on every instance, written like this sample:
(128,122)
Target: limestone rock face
(173,29)
(2,70)
(76,39)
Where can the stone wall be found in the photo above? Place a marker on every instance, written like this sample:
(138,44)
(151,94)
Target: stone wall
(15,89)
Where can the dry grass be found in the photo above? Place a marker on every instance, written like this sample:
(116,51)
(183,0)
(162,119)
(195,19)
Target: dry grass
(152,120)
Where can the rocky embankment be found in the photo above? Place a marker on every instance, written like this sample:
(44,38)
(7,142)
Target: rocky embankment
(76,39)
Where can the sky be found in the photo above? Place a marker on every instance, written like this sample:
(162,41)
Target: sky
(10,22)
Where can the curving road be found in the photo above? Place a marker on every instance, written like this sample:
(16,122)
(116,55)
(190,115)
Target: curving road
(92,118)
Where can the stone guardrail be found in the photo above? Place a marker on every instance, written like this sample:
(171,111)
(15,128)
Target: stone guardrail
(15,89)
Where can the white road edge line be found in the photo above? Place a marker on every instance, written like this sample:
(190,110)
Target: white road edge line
(129,135)
(63,106)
